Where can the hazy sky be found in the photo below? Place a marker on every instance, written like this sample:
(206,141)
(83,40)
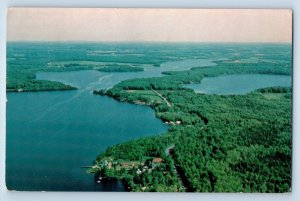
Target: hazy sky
(201,25)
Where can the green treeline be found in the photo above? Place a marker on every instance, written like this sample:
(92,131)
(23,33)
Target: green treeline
(275,90)
(234,143)
(37,85)
(120,68)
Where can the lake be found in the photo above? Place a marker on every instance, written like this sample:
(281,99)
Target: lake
(50,135)
(238,84)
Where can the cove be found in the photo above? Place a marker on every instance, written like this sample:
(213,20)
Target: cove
(239,84)
(51,135)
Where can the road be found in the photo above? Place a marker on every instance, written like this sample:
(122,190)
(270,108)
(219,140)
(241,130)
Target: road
(161,96)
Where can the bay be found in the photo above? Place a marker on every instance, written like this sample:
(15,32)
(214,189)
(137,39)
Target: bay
(51,135)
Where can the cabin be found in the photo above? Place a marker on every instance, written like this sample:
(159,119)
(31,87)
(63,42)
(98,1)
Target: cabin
(157,160)
(178,122)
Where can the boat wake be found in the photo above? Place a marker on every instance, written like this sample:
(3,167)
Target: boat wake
(81,91)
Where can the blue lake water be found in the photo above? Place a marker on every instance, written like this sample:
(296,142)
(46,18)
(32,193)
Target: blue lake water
(238,84)
(50,135)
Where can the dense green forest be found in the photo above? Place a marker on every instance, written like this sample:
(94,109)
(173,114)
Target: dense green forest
(232,143)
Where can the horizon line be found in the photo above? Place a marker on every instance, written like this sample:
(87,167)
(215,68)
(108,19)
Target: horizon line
(146,41)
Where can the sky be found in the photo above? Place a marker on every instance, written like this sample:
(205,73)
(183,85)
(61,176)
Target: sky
(159,25)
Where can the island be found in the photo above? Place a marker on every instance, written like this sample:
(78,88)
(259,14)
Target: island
(120,68)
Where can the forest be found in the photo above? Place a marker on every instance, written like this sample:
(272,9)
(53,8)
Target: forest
(232,143)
